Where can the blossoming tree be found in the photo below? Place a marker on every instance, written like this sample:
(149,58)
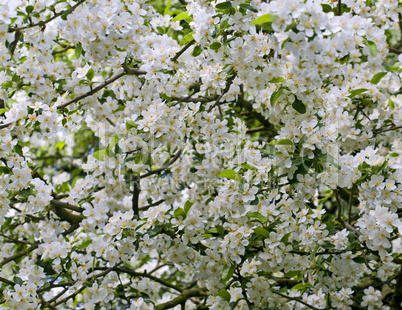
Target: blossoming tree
(200,154)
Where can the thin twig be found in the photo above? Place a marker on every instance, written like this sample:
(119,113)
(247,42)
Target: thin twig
(152,205)
(388,129)
(64,49)
(43,23)
(18,255)
(179,53)
(185,295)
(171,162)
(295,299)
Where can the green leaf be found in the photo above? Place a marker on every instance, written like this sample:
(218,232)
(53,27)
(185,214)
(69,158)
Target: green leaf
(181,16)
(276,95)
(312,254)
(115,140)
(371,45)
(329,159)
(196,51)
(299,106)
(130,124)
(78,50)
(248,167)
(284,142)
(396,67)
(230,174)
(257,215)
(59,145)
(18,149)
(29,9)
(100,155)
(359,260)
(85,244)
(7,84)
(326,8)
(216,230)
(227,272)
(262,231)
(263,19)
(224,5)
(224,294)
(277,80)
(179,213)
(17,280)
(292,274)
(394,154)
(188,205)
(391,104)
(2,111)
(248,7)
(167,8)
(187,38)
(301,286)
(215,46)
(377,78)
(285,238)
(355,92)
(90,74)
(255,202)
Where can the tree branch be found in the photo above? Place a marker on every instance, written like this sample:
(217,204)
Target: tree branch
(66,205)
(182,298)
(397,298)
(136,195)
(133,273)
(19,254)
(9,282)
(60,210)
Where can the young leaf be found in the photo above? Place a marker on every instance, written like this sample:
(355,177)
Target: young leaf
(179,212)
(230,174)
(181,16)
(262,231)
(78,50)
(301,286)
(90,74)
(276,95)
(227,272)
(224,294)
(188,205)
(372,47)
(100,155)
(377,78)
(248,166)
(130,124)
(355,92)
(284,142)
(263,19)
(277,80)
(215,46)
